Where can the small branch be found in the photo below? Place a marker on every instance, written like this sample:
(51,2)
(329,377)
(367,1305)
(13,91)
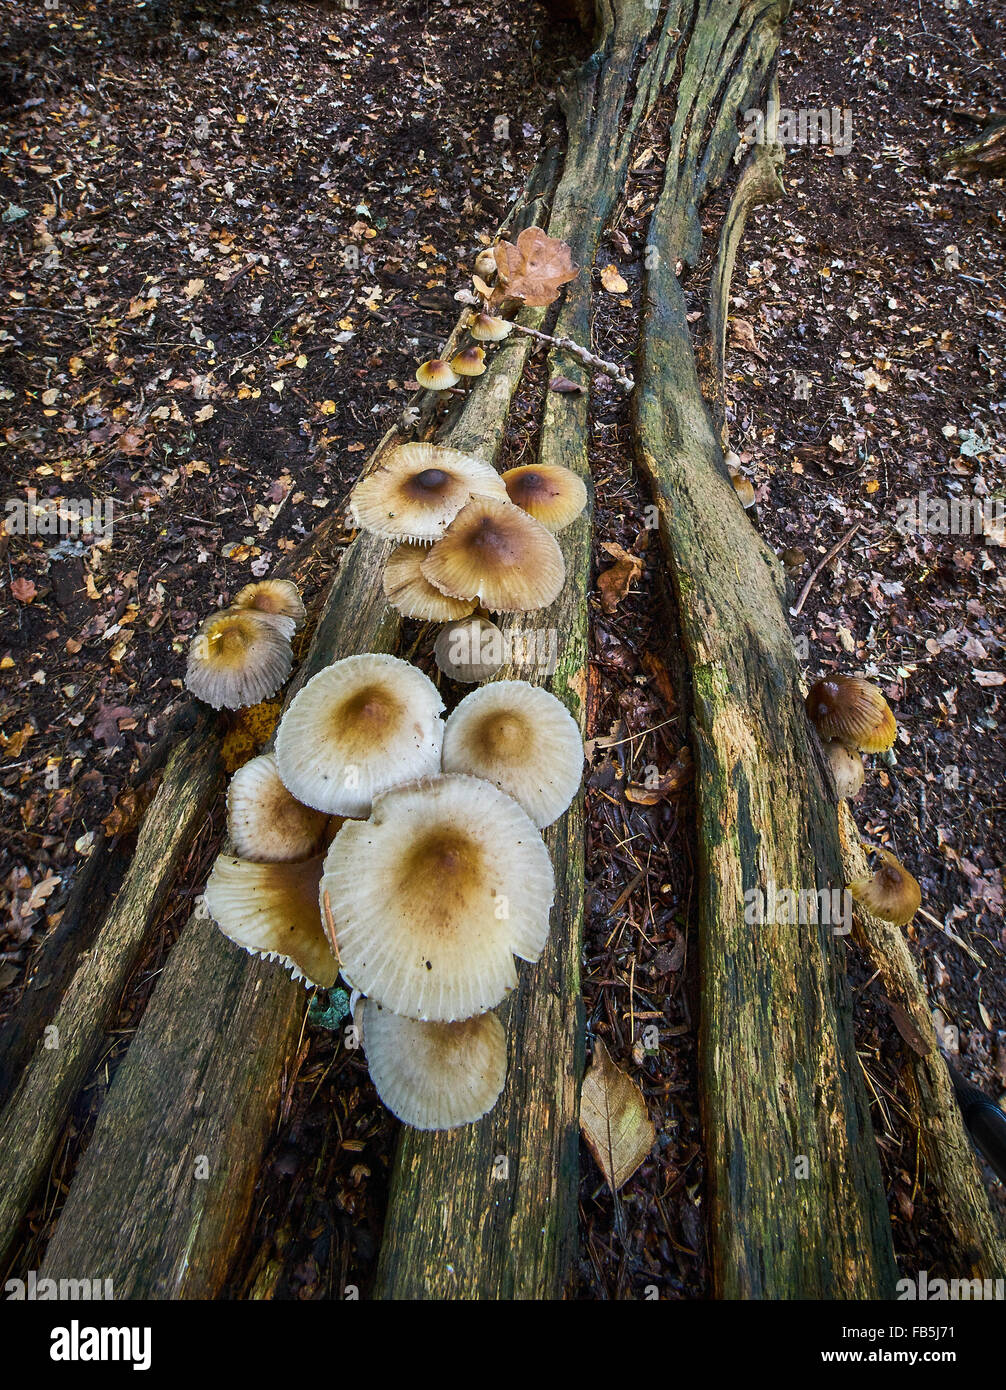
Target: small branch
(611,369)
(798,606)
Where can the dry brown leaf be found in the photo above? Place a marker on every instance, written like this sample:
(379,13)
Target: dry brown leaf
(533,269)
(742,335)
(660,676)
(669,783)
(614,583)
(613,1119)
(564,386)
(612,281)
(23,589)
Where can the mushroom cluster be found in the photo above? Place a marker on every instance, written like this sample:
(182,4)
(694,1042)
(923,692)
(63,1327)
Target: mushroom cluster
(468,538)
(404,851)
(242,654)
(853,717)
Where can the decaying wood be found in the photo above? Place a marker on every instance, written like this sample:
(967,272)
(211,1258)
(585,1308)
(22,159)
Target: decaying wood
(490,1211)
(162,1195)
(35,1116)
(975,1246)
(796,1204)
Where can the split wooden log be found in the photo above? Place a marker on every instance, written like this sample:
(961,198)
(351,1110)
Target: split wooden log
(973,1245)
(796,1203)
(490,1211)
(162,1195)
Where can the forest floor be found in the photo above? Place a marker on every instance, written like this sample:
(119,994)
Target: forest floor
(230,235)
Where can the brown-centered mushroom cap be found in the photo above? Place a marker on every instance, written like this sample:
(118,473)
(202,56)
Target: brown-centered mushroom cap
(852,711)
(523,740)
(436,375)
(433,896)
(272,910)
(470,361)
(552,494)
(487,328)
(435,1075)
(236,659)
(414,596)
(278,598)
(469,650)
(891,894)
(264,821)
(494,552)
(417,489)
(358,727)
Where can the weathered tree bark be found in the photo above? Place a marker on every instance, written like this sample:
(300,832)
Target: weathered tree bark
(490,1211)
(974,1244)
(985,154)
(796,1202)
(161,1197)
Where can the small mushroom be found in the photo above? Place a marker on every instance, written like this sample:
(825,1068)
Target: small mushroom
(435,1075)
(418,489)
(277,598)
(487,328)
(469,650)
(436,375)
(434,895)
(853,711)
(264,821)
(523,740)
(471,361)
(415,597)
(272,910)
(552,494)
(359,726)
(846,769)
(494,552)
(237,658)
(892,894)
(744,489)
(485,264)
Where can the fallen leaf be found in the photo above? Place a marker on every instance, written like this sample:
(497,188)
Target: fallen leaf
(989,678)
(563,385)
(668,784)
(614,583)
(23,590)
(107,727)
(613,1119)
(742,335)
(612,281)
(533,269)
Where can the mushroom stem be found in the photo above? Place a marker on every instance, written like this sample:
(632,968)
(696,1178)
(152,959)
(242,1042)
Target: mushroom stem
(611,369)
(326,907)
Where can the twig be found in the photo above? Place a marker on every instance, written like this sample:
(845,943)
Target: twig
(798,606)
(611,369)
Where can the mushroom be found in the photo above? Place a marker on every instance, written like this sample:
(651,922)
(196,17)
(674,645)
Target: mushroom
(277,598)
(469,650)
(485,264)
(523,740)
(417,489)
(264,821)
(433,896)
(498,554)
(853,711)
(470,361)
(436,375)
(744,489)
(435,1075)
(892,894)
(846,769)
(552,494)
(237,658)
(359,726)
(487,328)
(415,597)
(272,910)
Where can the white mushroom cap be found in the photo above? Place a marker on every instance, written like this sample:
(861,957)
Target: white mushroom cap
(418,489)
(264,821)
(414,596)
(523,740)
(362,725)
(272,910)
(238,658)
(276,598)
(435,1075)
(434,895)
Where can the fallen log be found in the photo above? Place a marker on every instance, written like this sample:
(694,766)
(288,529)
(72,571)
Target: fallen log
(796,1202)
(974,1245)
(490,1211)
(161,1197)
